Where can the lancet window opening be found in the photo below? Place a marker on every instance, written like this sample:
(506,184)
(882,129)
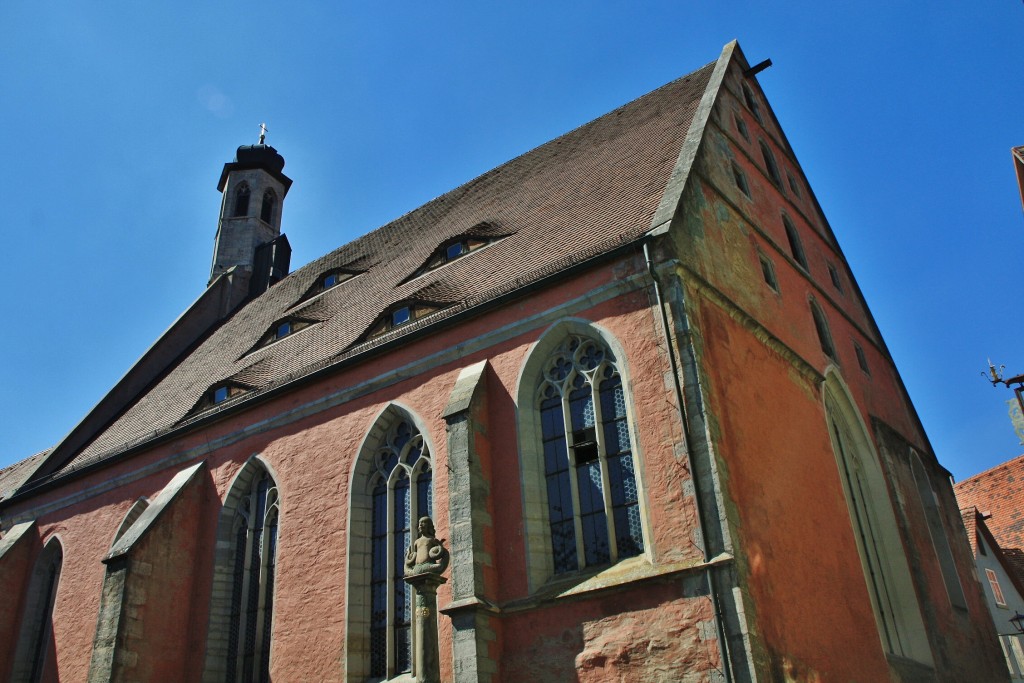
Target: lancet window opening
(241,201)
(255,560)
(401,491)
(593,501)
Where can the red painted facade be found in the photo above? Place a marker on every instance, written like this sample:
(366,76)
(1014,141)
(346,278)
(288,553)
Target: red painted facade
(781,553)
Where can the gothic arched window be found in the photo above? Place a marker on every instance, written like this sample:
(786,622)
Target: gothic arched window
(401,492)
(239,642)
(34,644)
(267,209)
(875,530)
(592,498)
(241,201)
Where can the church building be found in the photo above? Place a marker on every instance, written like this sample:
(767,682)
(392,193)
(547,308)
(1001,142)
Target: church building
(628,376)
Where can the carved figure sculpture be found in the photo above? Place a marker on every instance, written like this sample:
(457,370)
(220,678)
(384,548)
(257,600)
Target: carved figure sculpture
(426,554)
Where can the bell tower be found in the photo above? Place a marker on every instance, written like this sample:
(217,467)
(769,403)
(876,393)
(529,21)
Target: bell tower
(253,189)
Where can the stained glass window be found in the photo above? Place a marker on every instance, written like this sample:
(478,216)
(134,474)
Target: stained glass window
(401,484)
(593,504)
(252,588)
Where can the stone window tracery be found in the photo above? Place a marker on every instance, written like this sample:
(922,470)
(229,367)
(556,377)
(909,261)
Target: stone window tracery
(255,534)
(33,649)
(401,492)
(592,497)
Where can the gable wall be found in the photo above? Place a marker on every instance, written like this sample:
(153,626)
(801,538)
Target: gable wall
(761,368)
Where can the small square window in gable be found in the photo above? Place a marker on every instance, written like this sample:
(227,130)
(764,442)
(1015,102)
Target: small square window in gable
(740,179)
(862,360)
(741,126)
(768,272)
(833,274)
(793,185)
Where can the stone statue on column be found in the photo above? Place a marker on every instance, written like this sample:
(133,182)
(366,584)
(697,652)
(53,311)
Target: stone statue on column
(426,560)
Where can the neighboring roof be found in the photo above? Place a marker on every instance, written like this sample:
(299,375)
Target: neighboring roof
(577,197)
(1010,558)
(998,494)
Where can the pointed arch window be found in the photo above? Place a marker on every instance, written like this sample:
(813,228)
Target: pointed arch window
(401,491)
(268,206)
(875,531)
(34,643)
(241,201)
(592,498)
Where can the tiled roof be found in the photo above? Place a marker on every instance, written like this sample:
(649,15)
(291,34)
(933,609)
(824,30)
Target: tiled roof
(999,493)
(578,196)
(13,476)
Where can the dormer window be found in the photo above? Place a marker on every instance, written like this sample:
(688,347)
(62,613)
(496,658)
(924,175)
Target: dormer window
(398,315)
(458,247)
(281,329)
(327,280)
(220,393)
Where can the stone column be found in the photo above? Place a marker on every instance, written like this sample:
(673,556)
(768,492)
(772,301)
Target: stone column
(426,657)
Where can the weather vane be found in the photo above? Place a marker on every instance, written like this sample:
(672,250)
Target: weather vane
(263,132)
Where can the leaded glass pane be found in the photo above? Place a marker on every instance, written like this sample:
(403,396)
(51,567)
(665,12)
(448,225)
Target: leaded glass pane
(571,372)
(252,592)
(403,594)
(405,450)
(424,495)
(379,583)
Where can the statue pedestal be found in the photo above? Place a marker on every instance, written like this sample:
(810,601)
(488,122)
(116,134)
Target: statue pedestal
(426,656)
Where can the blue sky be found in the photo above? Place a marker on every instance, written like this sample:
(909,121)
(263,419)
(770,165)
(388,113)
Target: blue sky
(115,120)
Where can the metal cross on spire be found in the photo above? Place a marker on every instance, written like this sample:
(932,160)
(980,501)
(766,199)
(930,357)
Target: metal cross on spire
(263,132)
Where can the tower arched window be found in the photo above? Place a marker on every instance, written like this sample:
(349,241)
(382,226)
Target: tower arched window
(587,472)
(34,653)
(241,610)
(241,201)
(396,489)
(267,208)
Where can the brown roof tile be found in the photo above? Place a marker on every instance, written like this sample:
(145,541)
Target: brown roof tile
(999,494)
(575,197)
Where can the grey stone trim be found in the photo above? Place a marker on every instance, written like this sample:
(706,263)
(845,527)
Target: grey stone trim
(110,622)
(15,534)
(115,622)
(152,512)
(422,365)
(537,536)
(360,521)
(691,145)
(468,516)
(37,617)
(217,633)
(137,508)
